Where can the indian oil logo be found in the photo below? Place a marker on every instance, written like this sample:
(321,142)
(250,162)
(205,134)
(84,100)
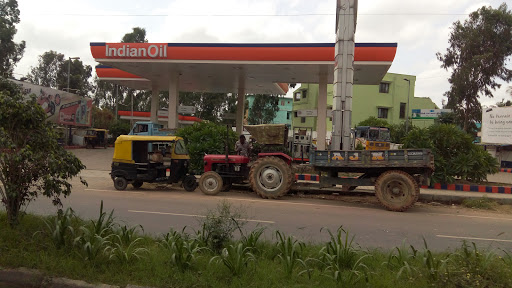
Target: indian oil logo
(153,51)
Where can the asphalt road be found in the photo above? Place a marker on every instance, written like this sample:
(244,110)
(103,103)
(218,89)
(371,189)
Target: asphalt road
(159,208)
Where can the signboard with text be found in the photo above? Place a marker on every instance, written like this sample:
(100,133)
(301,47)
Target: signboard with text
(307,113)
(61,107)
(428,113)
(497,125)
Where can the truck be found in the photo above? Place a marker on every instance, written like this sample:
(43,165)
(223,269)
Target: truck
(147,128)
(395,174)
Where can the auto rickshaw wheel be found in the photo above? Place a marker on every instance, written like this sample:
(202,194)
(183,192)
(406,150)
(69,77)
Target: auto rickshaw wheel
(88,145)
(210,183)
(120,183)
(136,184)
(189,183)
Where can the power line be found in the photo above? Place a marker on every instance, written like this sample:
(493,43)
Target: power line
(245,15)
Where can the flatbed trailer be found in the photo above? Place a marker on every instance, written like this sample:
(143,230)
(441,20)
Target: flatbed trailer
(396,174)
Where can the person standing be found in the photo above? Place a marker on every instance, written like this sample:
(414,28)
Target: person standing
(242,147)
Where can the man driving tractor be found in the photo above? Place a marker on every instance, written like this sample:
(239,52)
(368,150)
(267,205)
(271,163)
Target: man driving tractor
(243,147)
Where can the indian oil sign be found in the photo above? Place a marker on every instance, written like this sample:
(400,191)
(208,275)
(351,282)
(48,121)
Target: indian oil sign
(151,51)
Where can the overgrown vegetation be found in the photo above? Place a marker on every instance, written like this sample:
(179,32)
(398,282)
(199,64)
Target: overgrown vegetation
(206,138)
(32,163)
(455,154)
(480,203)
(102,251)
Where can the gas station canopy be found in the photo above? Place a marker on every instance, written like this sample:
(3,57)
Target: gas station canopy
(258,68)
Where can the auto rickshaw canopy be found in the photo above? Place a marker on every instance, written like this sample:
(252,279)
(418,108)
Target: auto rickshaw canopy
(123,151)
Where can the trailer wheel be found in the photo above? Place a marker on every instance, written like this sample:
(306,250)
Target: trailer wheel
(189,183)
(137,184)
(120,183)
(210,183)
(270,177)
(396,190)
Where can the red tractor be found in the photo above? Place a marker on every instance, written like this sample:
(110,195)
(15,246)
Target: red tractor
(270,175)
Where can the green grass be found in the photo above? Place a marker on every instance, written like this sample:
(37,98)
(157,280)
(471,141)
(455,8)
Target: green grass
(480,203)
(337,263)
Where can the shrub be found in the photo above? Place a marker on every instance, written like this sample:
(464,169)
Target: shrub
(235,257)
(455,154)
(219,225)
(206,138)
(119,127)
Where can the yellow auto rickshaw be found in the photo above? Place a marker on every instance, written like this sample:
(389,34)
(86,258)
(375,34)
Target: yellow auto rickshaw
(138,159)
(95,137)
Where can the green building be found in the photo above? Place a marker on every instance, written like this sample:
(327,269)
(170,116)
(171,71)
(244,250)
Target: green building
(386,101)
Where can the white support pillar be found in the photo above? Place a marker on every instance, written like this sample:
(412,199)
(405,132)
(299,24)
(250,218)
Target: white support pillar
(321,121)
(172,122)
(154,103)
(240,105)
(346,19)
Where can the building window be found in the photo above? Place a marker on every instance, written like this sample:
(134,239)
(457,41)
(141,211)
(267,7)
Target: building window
(302,119)
(296,114)
(296,96)
(304,94)
(287,115)
(383,113)
(384,87)
(402,110)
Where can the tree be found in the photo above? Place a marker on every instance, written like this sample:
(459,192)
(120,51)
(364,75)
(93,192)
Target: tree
(78,77)
(455,154)
(503,103)
(31,163)
(10,52)
(47,70)
(102,118)
(373,121)
(206,138)
(209,106)
(52,71)
(138,35)
(264,109)
(477,56)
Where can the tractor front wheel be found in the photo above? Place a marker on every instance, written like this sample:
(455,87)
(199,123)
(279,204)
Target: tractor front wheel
(210,183)
(270,177)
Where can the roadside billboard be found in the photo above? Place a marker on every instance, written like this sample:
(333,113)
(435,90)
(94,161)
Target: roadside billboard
(61,107)
(497,125)
(428,113)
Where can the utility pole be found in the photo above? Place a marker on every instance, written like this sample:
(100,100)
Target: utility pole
(346,18)
(407,108)
(70,140)
(116,88)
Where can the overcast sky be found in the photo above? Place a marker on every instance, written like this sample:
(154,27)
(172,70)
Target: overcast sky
(420,27)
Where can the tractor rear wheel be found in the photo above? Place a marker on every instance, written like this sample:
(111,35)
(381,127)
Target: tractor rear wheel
(210,183)
(270,177)
(396,190)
